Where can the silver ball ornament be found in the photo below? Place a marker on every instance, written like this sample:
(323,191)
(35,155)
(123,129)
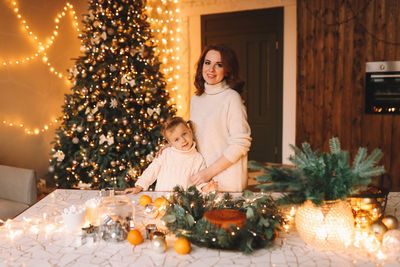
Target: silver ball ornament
(150,211)
(391,241)
(79,129)
(159,245)
(378,229)
(75,140)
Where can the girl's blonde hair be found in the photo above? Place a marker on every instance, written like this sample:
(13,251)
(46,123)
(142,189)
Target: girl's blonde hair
(171,123)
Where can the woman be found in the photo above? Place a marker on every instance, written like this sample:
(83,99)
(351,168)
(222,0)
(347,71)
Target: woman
(220,121)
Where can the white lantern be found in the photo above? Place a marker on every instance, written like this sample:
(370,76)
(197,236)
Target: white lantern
(326,227)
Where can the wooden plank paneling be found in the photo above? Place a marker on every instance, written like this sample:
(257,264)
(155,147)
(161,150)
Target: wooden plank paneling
(335,40)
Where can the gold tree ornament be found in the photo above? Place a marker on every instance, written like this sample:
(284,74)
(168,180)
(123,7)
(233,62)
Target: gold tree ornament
(390,222)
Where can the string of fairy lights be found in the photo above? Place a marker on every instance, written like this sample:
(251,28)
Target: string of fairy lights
(165,22)
(165,28)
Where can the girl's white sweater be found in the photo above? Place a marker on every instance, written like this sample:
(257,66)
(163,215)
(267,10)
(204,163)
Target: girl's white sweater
(173,167)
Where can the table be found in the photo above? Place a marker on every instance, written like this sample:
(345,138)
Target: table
(34,239)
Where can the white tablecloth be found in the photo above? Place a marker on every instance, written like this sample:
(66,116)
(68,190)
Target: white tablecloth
(35,239)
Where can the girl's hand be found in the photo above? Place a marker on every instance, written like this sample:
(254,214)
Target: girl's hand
(133,190)
(200,177)
(161,150)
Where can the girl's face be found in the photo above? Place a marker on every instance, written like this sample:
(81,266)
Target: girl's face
(180,137)
(213,71)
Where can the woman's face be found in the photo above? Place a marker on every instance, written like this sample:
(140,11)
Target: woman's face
(213,71)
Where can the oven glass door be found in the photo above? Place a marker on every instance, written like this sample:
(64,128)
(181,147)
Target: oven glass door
(383,92)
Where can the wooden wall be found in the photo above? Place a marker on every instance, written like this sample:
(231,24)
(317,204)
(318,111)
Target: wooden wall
(335,40)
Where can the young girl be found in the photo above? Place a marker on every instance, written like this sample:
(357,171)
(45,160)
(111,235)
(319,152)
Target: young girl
(176,164)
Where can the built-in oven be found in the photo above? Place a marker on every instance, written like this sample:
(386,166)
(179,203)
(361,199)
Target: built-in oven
(382,92)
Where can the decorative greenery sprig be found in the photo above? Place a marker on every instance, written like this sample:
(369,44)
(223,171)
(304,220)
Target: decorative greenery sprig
(320,177)
(184,217)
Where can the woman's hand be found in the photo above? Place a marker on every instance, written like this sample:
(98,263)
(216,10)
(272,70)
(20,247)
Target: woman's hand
(217,167)
(201,177)
(161,150)
(133,190)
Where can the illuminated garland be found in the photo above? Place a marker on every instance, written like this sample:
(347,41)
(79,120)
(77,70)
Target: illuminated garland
(165,23)
(41,46)
(162,19)
(184,217)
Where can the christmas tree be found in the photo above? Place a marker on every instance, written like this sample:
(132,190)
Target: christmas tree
(111,119)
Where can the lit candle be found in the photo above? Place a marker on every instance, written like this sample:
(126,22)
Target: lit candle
(92,211)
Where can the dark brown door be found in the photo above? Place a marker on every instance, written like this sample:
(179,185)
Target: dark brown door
(257,38)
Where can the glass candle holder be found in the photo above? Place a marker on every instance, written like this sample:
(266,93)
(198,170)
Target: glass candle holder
(116,215)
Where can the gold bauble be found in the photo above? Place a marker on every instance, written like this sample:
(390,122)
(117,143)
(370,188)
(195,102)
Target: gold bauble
(137,153)
(136,138)
(378,229)
(90,118)
(390,222)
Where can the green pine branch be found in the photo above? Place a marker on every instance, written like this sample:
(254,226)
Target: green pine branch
(320,177)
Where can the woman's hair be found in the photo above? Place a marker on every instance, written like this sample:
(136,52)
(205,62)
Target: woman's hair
(172,122)
(229,63)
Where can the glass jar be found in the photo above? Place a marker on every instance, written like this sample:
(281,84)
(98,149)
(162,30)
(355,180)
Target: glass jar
(116,217)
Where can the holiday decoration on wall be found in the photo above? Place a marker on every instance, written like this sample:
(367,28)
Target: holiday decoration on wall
(165,29)
(165,26)
(321,183)
(111,119)
(245,223)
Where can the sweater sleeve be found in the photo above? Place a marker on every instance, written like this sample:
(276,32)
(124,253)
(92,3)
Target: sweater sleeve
(239,139)
(150,173)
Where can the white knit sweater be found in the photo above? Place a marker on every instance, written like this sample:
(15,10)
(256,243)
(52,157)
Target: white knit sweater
(173,167)
(221,128)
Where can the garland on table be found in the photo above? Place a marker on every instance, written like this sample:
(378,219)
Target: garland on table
(184,217)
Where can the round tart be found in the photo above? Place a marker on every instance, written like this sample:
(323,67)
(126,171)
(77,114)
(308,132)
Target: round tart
(224,217)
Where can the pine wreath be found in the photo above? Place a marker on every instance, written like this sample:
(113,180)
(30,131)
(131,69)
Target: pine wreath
(184,217)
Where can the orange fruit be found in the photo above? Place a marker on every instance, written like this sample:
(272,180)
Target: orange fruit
(135,237)
(160,202)
(182,246)
(144,200)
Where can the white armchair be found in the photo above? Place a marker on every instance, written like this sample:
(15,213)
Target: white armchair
(17,190)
